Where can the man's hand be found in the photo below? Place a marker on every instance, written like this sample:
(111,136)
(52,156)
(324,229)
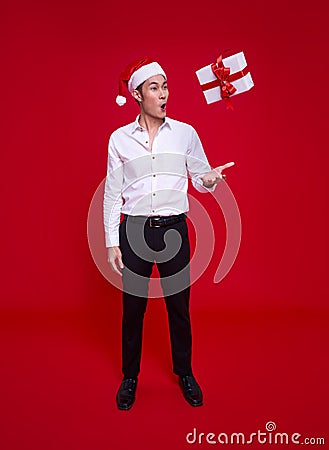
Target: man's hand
(215,176)
(114,258)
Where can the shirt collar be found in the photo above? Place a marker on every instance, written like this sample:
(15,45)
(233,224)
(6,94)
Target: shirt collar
(136,125)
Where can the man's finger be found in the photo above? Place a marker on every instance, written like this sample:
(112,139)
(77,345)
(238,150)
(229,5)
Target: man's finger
(115,268)
(225,166)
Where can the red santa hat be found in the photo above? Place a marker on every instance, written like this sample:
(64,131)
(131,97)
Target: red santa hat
(136,73)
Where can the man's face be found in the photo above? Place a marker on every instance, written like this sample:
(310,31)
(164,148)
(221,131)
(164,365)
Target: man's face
(154,97)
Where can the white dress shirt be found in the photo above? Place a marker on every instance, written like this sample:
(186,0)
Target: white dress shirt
(151,182)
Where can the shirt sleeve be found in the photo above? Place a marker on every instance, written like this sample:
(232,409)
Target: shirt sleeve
(197,163)
(112,196)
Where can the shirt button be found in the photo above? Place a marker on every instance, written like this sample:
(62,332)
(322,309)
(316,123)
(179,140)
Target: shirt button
(154,175)
(146,142)
(153,157)
(153,193)
(153,210)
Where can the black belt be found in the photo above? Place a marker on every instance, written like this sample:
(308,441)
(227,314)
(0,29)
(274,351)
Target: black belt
(156,221)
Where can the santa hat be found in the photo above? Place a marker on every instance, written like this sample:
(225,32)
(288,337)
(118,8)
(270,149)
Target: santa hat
(135,74)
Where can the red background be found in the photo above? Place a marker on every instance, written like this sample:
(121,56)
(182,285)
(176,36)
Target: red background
(260,336)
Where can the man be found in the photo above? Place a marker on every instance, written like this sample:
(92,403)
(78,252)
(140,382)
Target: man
(149,162)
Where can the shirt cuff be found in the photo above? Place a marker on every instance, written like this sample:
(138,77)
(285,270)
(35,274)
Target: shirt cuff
(112,240)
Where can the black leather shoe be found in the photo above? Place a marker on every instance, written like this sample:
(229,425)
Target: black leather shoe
(126,393)
(191,390)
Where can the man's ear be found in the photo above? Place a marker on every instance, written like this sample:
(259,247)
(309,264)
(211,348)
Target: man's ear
(137,95)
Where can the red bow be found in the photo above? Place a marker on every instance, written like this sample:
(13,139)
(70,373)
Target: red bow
(222,73)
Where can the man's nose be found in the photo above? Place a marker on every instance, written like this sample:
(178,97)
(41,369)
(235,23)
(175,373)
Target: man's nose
(162,93)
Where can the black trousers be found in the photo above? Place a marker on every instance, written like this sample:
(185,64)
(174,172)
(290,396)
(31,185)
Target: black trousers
(142,246)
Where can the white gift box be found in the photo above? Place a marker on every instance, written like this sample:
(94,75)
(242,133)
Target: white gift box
(236,63)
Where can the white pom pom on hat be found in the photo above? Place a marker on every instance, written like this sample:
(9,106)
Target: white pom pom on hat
(120,100)
(135,74)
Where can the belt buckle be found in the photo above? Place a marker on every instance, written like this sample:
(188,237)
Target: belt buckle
(151,219)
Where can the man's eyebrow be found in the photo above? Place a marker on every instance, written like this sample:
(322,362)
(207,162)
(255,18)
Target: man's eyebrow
(155,82)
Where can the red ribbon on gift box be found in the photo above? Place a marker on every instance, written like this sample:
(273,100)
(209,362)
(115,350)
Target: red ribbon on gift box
(224,79)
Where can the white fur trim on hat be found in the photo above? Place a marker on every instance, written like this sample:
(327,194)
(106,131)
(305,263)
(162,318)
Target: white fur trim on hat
(144,73)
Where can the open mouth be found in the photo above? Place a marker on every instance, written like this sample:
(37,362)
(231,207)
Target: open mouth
(163,106)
